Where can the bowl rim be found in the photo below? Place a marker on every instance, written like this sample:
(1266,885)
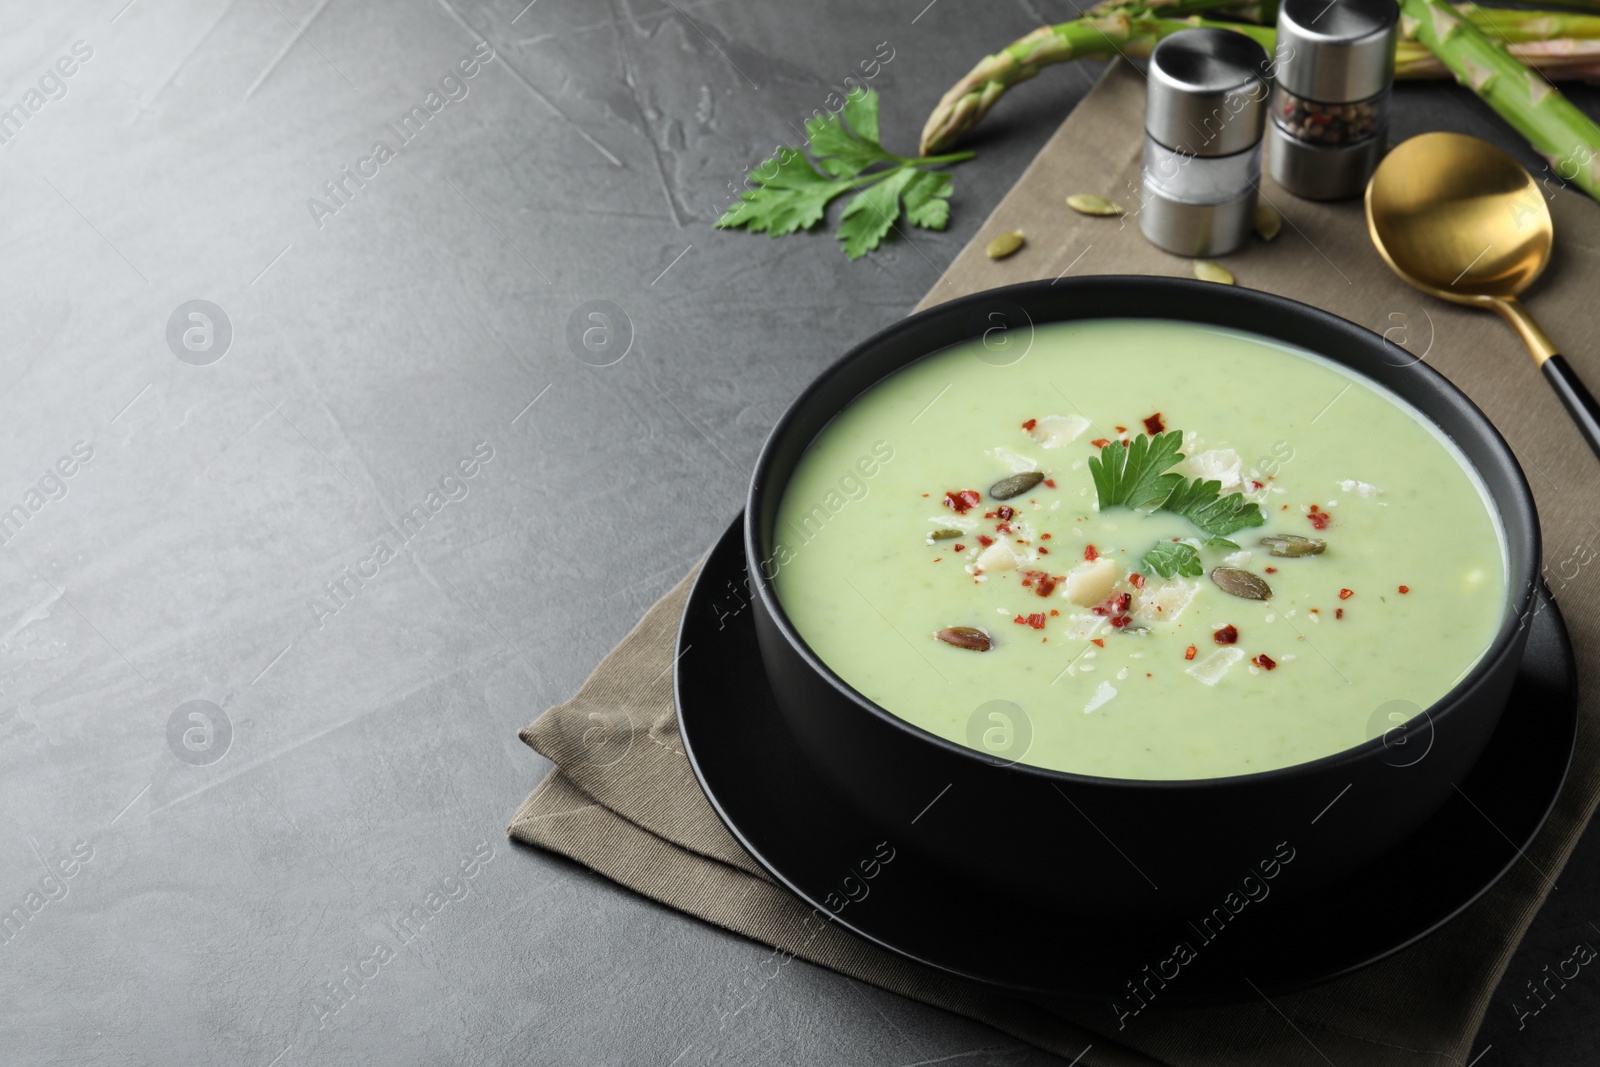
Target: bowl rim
(1519,522)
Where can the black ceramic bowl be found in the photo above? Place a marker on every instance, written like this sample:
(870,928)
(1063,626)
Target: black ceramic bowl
(1123,845)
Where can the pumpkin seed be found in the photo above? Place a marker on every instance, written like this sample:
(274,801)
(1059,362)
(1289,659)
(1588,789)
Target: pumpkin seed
(969,637)
(1016,485)
(1293,545)
(1089,204)
(1240,583)
(1005,244)
(1268,221)
(1208,271)
(944,535)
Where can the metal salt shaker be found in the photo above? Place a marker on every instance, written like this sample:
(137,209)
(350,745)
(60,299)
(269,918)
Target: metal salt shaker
(1207,102)
(1330,111)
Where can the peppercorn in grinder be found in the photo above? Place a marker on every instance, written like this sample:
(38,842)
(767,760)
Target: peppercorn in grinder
(1330,110)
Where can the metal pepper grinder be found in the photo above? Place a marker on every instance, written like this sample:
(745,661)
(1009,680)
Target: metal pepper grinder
(1204,111)
(1330,111)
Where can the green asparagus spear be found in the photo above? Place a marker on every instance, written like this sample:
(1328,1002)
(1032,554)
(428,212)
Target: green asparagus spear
(1553,125)
(1561,45)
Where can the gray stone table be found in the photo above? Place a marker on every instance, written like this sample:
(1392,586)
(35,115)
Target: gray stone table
(291,566)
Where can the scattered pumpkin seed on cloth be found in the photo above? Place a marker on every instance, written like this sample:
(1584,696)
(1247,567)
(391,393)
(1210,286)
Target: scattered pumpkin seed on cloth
(1005,244)
(1089,204)
(1268,221)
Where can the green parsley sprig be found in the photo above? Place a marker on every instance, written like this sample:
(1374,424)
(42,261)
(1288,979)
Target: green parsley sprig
(1129,475)
(1170,558)
(1203,504)
(1181,558)
(1135,475)
(791,194)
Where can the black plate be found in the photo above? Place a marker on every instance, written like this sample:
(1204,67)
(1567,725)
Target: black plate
(796,827)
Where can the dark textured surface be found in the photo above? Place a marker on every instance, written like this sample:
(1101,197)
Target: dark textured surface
(373,747)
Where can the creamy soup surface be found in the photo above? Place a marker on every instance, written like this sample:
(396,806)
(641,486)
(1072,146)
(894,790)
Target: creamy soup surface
(943,548)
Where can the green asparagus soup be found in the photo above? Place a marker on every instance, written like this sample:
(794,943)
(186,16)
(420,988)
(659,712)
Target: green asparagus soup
(1143,550)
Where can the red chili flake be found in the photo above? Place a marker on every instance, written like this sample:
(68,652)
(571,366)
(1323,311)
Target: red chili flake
(1265,662)
(961,500)
(1153,425)
(1044,537)
(1315,611)
(1405,589)
(1090,553)
(1020,621)
(1122,429)
(1051,482)
(985,540)
(1272,570)
(1189,652)
(1099,442)
(1338,613)
(1043,551)
(1043,584)
(1030,424)
(1319,519)
(1284,508)
(988,514)
(1136,580)
(924,494)
(1254,484)
(1346,594)
(1227,635)
(1005,513)
(1100,641)
(1053,611)
(940,559)
(1002,527)
(1119,621)
(961,548)
(1036,621)
(1123,601)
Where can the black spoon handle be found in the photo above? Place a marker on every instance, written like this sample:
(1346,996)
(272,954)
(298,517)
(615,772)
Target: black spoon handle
(1580,403)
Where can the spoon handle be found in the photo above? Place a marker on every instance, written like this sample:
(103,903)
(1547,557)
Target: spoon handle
(1580,403)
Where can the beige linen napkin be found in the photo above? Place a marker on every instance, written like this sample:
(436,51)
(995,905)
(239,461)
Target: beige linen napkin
(630,808)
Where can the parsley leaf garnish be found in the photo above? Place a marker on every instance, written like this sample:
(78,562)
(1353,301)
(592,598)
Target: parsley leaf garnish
(1130,474)
(1202,503)
(792,196)
(1134,475)
(790,193)
(846,143)
(1171,558)
(869,216)
(927,197)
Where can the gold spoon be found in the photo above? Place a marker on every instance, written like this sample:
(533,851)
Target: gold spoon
(1458,218)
